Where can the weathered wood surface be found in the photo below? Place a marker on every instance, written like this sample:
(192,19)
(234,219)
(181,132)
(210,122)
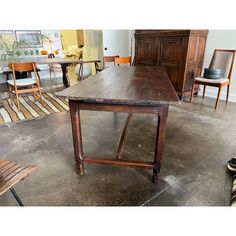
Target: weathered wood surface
(141,85)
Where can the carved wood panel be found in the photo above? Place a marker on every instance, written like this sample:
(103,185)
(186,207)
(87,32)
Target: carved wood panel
(145,52)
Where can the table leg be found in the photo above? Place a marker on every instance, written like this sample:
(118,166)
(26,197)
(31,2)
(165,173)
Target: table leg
(77,136)
(66,81)
(123,137)
(160,141)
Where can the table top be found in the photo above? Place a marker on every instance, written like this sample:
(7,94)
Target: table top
(40,60)
(140,85)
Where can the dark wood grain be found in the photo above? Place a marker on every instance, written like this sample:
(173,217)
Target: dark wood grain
(160,142)
(143,89)
(77,136)
(181,52)
(143,85)
(116,162)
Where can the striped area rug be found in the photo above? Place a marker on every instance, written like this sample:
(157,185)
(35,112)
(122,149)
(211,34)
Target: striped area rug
(31,109)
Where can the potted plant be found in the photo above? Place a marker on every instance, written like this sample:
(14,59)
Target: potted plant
(10,49)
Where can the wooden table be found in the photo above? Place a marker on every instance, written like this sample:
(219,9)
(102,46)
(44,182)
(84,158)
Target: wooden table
(142,89)
(63,62)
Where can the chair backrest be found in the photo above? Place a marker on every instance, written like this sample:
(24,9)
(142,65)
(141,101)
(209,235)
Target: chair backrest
(110,58)
(123,60)
(22,67)
(223,59)
(51,55)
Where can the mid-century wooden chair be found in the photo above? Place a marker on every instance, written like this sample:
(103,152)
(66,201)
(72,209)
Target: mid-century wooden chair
(123,60)
(53,67)
(109,60)
(10,174)
(20,86)
(222,59)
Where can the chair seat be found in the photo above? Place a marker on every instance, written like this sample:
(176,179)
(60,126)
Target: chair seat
(55,66)
(6,69)
(11,173)
(42,66)
(22,82)
(213,81)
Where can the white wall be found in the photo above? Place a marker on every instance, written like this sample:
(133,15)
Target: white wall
(93,46)
(132,43)
(56,41)
(220,39)
(117,42)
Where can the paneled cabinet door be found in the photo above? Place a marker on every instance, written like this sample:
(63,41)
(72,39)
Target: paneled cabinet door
(171,52)
(171,57)
(145,52)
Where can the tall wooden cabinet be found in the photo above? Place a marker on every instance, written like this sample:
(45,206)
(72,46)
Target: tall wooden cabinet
(181,52)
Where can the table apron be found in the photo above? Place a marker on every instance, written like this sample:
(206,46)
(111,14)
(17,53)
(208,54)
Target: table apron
(161,110)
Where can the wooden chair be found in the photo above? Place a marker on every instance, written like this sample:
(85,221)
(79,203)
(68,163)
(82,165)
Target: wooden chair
(53,67)
(222,59)
(20,86)
(10,174)
(123,60)
(109,60)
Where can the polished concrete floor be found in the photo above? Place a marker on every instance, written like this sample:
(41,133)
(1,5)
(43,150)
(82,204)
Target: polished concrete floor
(199,142)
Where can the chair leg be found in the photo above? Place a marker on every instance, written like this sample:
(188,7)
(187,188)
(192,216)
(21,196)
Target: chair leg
(204,90)
(34,94)
(16,197)
(10,94)
(227,95)
(40,82)
(54,74)
(192,91)
(40,94)
(50,72)
(17,101)
(218,97)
